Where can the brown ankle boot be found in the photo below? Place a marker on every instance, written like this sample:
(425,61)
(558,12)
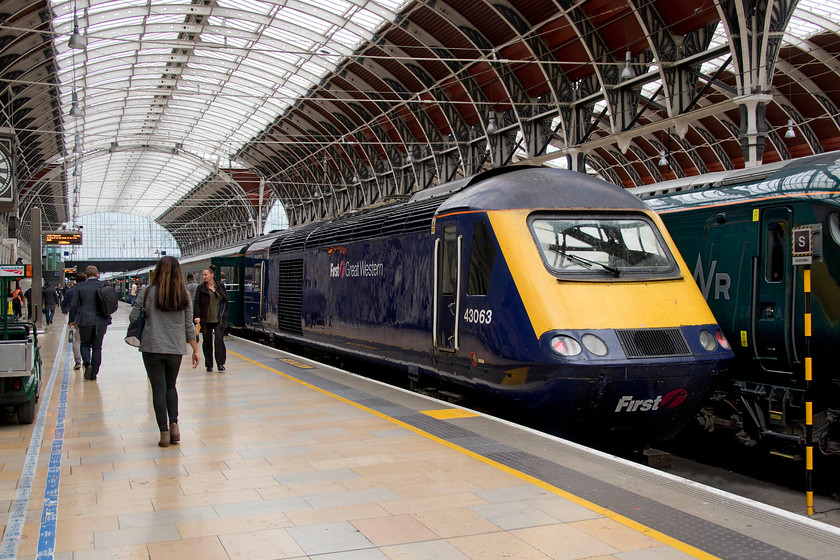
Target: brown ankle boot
(164,438)
(174,432)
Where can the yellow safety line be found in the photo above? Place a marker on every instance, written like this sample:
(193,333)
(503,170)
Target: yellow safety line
(449,413)
(654,534)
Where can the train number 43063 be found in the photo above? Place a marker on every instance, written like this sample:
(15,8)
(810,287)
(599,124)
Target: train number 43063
(480,316)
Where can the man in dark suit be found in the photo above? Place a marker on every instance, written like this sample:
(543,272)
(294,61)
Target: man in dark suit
(92,326)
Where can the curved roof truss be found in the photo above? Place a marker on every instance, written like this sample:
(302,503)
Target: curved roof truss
(199,113)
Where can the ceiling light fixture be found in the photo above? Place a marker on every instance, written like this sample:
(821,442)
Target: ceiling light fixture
(492,125)
(77,40)
(791,133)
(74,106)
(663,158)
(628,72)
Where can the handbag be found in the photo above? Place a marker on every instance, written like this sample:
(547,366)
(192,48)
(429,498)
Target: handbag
(135,330)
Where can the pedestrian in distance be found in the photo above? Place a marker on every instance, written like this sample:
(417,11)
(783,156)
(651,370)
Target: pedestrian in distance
(74,336)
(192,285)
(210,313)
(92,325)
(49,299)
(167,332)
(17,301)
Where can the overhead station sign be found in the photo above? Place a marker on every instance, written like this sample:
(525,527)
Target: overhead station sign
(63,237)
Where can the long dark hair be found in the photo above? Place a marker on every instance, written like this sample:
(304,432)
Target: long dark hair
(171,291)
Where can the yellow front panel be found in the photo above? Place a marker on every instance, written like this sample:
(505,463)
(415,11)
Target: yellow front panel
(594,305)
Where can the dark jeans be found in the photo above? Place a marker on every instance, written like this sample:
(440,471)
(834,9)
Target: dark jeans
(162,370)
(90,343)
(213,333)
(49,312)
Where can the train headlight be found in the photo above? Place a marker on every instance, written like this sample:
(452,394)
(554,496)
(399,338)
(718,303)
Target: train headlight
(721,339)
(594,344)
(565,345)
(707,340)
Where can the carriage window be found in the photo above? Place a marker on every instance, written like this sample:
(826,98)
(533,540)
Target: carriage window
(774,252)
(602,246)
(230,275)
(448,262)
(482,257)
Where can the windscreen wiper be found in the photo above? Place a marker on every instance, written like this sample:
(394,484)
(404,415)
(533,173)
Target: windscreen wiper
(585,262)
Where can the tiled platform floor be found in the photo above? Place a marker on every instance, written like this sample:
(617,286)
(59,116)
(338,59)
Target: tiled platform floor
(270,468)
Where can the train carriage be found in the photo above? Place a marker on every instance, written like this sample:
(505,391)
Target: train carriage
(546,290)
(734,228)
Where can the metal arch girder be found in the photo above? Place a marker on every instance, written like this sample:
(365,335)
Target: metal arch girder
(605,170)
(679,83)
(626,165)
(754,38)
(691,152)
(646,162)
(779,144)
(606,74)
(463,132)
(652,168)
(816,93)
(714,144)
(536,135)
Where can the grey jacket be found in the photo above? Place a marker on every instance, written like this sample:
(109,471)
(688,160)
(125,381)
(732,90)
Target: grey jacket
(165,332)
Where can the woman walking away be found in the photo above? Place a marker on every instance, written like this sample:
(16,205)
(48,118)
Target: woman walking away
(168,329)
(210,312)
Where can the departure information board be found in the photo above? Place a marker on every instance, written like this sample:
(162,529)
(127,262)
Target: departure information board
(63,237)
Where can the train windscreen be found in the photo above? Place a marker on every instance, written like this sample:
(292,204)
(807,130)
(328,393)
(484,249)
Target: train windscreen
(616,246)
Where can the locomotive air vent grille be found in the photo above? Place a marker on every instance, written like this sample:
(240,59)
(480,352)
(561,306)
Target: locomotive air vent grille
(653,343)
(289,297)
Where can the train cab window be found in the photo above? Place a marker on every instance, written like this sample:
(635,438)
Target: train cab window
(775,249)
(448,261)
(602,246)
(230,274)
(482,258)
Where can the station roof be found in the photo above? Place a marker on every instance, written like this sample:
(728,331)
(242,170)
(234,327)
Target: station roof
(200,114)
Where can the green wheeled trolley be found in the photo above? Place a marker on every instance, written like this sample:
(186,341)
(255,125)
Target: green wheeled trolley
(20,356)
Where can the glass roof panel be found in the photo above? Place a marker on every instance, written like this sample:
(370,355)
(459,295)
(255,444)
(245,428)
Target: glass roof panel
(180,86)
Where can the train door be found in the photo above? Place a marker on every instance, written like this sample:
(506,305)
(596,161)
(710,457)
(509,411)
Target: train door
(229,268)
(447,275)
(773,317)
(252,294)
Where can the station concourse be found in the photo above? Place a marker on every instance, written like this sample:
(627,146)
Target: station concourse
(285,458)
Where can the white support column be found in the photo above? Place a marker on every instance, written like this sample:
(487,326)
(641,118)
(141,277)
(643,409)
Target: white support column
(753,135)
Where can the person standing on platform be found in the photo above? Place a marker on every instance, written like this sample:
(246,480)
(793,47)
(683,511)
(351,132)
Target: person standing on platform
(92,325)
(210,313)
(168,330)
(74,330)
(17,301)
(49,299)
(192,285)
(132,294)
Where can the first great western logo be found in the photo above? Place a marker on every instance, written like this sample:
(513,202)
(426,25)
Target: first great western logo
(345,269)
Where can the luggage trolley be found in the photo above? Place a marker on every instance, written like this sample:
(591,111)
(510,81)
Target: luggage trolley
(20,356)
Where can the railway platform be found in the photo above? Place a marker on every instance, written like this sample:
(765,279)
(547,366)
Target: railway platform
(285,458)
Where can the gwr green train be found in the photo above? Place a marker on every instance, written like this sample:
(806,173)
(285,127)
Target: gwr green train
(734,229)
